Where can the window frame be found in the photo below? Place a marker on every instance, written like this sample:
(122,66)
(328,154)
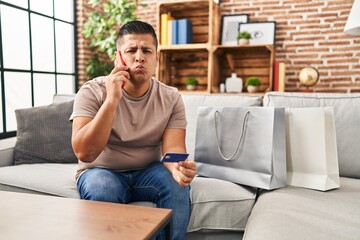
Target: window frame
(7,134)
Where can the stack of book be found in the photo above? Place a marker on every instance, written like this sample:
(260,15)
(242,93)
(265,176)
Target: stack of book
(175,31)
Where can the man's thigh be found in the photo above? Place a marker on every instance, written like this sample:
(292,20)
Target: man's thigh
(152,183)
(102,184)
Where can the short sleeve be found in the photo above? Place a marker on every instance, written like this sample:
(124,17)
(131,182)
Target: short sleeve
(88,100)
(178,117)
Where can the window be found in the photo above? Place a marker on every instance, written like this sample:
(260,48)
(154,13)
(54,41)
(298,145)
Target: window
(37,55)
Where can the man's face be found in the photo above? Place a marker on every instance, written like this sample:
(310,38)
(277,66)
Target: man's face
(140,55)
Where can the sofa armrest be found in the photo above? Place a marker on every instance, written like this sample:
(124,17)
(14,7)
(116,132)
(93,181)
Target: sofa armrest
(7,151)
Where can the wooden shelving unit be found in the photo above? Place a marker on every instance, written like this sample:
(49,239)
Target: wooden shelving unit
(204,58)
(249,60)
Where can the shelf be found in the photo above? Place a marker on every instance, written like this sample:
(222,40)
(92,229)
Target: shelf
(197,12)
(245,93)
(181,61)
(176,66)
(250,46)
(204,59)
(193,92)
(248,61)
(177,6)
(181,47)
(202,14)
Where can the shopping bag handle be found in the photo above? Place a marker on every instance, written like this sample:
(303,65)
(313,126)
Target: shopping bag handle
(241,136)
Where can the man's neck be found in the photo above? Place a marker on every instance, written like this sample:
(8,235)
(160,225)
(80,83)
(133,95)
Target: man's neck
(137,91)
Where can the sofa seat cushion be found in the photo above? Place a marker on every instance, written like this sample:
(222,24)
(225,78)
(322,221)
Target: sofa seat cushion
(46,178)
(299,213)
(219,205)
(347,122)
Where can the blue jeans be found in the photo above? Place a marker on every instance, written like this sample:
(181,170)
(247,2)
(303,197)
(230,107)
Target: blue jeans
(153,184)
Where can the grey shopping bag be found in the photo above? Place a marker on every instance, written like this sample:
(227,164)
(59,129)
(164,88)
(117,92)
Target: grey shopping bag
(244,145)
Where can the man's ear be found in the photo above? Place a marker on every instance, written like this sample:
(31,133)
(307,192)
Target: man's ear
(157,56)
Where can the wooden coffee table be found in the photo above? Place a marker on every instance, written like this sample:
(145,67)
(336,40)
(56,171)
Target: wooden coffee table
(30,216)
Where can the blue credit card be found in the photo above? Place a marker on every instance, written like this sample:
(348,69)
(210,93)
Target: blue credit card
(174,157)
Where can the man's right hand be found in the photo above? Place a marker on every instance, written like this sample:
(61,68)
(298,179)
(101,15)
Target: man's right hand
(115,82)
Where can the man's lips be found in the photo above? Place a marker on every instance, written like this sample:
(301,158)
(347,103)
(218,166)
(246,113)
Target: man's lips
(139,69)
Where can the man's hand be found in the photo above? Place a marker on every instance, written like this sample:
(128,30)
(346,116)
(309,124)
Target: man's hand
(184,172)
(115,82)
(174,141)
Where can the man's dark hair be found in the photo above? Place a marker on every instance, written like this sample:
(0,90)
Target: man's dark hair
(137,27)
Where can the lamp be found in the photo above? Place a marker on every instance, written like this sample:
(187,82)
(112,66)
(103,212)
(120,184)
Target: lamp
(352,26)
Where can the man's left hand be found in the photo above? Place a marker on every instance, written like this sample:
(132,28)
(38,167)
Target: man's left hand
(184,172)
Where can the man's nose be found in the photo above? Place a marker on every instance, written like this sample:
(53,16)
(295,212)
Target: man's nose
(140,56)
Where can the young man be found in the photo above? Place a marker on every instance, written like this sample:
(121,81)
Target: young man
(123,123)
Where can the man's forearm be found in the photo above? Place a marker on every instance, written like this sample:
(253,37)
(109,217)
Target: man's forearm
(92,138)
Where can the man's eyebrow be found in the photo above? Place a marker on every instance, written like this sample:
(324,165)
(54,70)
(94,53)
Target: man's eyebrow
(134,47)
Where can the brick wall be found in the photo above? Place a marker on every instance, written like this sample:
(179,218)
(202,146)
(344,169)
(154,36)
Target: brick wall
(85,52)
(309,32)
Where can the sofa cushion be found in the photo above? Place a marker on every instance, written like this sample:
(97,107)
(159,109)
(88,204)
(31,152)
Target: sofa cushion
(46,178)
(59,98)
(44,134)
(193,101)
(299,213)
(227,208)
(347,122)
(219,205)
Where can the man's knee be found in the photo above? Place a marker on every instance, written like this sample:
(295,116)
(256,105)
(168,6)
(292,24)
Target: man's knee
(100,185)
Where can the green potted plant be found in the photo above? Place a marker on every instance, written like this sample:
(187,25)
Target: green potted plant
(191,83)
(101,29)
(243,37)
(252,84)
(95,67)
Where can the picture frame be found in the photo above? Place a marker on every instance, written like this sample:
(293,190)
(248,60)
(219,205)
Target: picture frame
(230,28)
(261,32)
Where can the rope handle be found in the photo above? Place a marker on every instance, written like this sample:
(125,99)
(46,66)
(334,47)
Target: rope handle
(241,136)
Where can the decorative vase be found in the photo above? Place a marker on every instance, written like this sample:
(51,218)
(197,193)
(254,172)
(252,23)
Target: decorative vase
(243,41)
(233,83)
(252,89)
(191,87)
(222,87)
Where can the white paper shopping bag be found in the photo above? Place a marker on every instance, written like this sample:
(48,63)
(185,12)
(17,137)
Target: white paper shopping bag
(312,160)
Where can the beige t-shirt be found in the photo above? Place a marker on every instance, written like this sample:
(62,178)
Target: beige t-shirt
(136,137)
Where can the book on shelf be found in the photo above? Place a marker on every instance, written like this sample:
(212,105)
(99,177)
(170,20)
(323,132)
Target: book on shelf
(174,31)
(279,76)
(170,32)
(282,77)
(276,76)
(164,18)
(184,31)
(177,31)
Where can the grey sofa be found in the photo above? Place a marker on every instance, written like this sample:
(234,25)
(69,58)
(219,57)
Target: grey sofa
(220,209)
